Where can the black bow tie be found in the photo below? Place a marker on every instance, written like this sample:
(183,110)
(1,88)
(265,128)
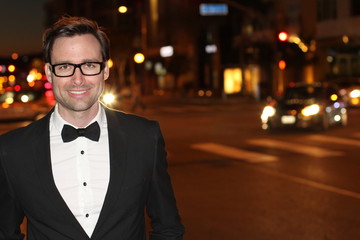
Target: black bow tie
(91,132)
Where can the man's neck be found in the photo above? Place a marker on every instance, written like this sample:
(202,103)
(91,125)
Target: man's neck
(79,119)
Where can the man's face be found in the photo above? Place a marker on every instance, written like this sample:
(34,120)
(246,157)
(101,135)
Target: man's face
(77,93)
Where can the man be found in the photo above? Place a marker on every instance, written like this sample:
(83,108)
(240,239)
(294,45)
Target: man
(95,185)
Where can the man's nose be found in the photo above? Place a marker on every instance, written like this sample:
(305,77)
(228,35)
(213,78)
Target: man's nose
(78,77)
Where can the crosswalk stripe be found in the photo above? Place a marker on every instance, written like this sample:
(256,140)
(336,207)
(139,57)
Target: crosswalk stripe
(293,147)
(337,140)
(234,152)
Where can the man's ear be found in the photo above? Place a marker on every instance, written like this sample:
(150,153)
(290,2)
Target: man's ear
(48,72)
(106,71)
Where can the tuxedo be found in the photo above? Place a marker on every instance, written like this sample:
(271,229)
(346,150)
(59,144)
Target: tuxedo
(138,181)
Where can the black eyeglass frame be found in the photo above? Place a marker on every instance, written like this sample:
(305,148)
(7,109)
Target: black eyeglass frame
(102,66)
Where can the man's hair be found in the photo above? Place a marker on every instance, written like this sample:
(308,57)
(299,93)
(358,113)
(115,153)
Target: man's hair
(72,26)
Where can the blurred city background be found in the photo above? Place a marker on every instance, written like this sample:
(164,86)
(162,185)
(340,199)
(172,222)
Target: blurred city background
(213,48)
(258,101)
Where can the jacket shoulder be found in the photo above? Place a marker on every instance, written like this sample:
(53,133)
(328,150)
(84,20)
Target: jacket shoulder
(129,119)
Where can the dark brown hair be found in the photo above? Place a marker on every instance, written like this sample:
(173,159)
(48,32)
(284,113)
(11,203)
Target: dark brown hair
(71,26)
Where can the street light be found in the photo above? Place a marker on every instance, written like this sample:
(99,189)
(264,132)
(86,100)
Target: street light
(139,58)
(11,68)
(122,9)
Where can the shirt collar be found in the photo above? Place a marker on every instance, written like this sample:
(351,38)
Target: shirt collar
(58,122)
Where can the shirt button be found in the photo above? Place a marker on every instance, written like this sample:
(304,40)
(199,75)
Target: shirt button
(87,215)
(85,184)
(82,152)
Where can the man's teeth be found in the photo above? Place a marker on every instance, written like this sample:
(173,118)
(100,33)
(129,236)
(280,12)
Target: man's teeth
(77,92)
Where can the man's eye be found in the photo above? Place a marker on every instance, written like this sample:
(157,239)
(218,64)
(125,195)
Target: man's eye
(63,67)
(90,65)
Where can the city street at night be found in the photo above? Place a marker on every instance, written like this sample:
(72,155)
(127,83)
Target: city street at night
(235,181)
(258,102)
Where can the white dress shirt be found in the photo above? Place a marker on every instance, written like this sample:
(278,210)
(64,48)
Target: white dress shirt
(81,170)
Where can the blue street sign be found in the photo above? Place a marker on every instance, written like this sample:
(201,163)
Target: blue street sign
(214,9)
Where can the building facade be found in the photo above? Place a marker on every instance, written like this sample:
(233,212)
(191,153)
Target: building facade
(232,53)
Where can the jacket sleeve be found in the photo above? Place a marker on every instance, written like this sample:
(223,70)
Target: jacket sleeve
(161,206)
(11,215)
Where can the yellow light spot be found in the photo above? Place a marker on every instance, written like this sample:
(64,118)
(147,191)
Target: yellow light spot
(11,68)
(9,100)
(139,58)
(12,79)
(110,63)
(122,9)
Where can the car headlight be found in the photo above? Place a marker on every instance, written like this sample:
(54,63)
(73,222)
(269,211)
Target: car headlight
(311,110)
(25,98)
(268,111)
(355,93)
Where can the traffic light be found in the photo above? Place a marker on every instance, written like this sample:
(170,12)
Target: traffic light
(282,64)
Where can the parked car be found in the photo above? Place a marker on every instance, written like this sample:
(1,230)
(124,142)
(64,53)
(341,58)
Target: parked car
(312,106)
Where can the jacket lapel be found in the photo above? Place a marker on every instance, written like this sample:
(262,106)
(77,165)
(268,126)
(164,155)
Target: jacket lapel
(118,155)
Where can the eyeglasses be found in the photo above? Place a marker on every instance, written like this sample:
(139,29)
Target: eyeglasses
(86,68)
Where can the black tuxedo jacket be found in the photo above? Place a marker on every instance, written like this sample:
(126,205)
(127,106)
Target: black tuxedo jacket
(138,181)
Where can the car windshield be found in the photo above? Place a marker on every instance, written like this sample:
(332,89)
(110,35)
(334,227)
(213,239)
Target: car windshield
(302,95)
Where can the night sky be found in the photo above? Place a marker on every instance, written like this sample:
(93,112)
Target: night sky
(21,23)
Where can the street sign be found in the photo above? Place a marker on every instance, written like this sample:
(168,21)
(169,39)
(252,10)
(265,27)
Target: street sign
(214,9)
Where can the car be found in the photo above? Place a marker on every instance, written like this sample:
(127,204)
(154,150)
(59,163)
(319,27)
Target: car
(351,94)
(314,106)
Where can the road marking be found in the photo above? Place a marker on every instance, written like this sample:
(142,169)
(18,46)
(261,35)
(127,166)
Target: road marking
(234,152)
(294,147)
(335,140)
(256,157)
(313,184)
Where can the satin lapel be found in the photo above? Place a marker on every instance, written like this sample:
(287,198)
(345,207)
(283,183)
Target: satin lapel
(42,161)
(118,155)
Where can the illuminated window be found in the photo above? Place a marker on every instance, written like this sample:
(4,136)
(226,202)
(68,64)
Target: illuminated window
(232,80)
